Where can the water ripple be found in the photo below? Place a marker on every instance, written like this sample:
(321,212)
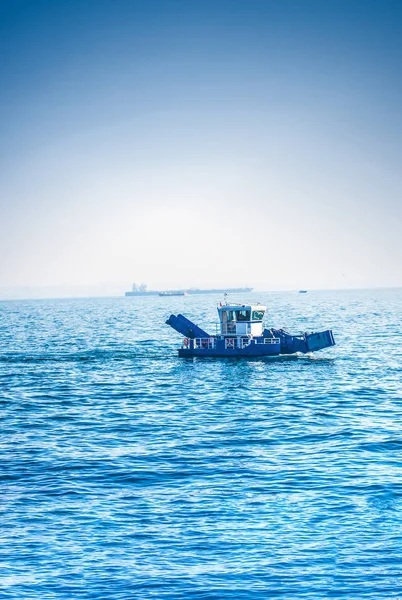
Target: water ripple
(128,473)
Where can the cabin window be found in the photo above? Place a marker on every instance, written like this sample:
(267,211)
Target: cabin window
(243,315)
(230,315)
(258,315)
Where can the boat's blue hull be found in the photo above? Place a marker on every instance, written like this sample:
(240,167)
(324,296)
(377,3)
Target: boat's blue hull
(219,349)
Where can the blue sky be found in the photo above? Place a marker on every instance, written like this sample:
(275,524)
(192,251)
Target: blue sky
(201,143)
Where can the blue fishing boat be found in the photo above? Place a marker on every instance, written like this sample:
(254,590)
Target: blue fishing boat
(242,333)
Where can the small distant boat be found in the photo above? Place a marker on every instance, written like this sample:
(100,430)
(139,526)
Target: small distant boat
(302,291)
(242,333)
(173,293)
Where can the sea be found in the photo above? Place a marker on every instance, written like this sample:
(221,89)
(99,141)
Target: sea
(126,472)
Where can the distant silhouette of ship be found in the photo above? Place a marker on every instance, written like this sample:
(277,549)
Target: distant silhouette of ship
(302,291)
(141,290)
(220,291)
(173,293)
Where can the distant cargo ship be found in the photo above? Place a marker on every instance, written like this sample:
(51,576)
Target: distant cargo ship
(173,293)
(245,290)
(141,290)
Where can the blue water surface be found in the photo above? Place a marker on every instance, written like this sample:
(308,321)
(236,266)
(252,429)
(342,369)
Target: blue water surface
(126,472)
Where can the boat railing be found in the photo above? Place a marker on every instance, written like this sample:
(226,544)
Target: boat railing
(237,342)
(231,343)
(205,343)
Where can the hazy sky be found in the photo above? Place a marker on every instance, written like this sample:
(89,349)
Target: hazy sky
(191,143)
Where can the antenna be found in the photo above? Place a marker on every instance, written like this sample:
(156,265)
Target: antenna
(225,298)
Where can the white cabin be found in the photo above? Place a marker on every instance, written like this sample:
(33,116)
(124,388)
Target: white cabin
(241,319)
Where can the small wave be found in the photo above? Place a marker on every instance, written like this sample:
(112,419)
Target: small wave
(80,356)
